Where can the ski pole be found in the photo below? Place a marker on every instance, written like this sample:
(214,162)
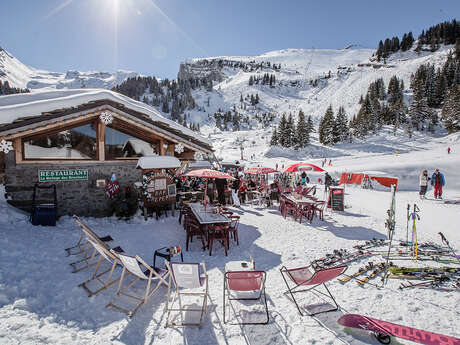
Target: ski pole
(407,226)
(446,242)
(415,216)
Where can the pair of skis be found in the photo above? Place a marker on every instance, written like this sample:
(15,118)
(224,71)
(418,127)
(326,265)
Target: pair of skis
(341,256)
(369,267)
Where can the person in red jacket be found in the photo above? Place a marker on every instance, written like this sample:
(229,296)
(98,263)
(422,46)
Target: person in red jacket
(437,180)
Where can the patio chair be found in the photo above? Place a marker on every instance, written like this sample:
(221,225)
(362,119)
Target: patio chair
(97,276)
(291,208)
(82,244)
(306,210)
(188,281)
(245,286)
(193,228)
(302,277)
(141,271)
(218,232)
(318,208)
(233,228)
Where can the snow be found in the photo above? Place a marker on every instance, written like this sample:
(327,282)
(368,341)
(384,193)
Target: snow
(41,303)
(158,162)
(16,106)
(140,147)
(200,164)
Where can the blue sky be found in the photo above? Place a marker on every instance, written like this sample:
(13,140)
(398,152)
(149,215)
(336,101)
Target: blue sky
(152,37)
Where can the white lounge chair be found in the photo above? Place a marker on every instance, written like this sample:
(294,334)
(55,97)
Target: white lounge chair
(188,281)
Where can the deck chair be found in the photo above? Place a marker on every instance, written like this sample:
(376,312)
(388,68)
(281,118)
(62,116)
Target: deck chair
(82,244)
(245,286)
(97,277)
(302,277)
(133,266)
(188,281)
(90,254)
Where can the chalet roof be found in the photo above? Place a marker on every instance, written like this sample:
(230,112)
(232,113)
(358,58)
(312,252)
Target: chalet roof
(158,162)
(30,109)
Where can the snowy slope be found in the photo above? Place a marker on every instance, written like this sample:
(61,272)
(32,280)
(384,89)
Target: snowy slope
(351,72)
(23,76)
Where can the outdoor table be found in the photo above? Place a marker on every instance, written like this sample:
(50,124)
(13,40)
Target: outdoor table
(207,216)
(239,266)
(301,202)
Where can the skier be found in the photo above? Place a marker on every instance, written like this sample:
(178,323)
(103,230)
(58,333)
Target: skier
(424,179)
(448,150)
(327,181)
(437,180)
(304,178)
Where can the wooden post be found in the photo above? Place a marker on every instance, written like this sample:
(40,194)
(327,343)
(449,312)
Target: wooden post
(17,143)
(162,149)
(101,140)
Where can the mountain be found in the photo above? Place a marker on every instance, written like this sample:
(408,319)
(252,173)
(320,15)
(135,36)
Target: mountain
(22,76)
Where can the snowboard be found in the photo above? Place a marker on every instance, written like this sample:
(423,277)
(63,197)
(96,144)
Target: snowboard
(384,330)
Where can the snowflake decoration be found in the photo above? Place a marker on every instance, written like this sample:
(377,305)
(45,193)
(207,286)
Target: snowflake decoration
(106,117)
(179,148)
(6,146)
(198,156)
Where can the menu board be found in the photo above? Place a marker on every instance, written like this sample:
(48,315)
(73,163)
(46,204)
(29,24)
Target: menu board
(157,188)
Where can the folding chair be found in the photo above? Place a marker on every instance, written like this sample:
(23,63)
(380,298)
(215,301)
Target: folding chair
(246,283)
(89,256)
(132,265)
(303,277)
(82,244)
(96,277)
(188,281)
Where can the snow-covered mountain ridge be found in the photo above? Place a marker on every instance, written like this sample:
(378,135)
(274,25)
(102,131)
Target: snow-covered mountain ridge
(22,76)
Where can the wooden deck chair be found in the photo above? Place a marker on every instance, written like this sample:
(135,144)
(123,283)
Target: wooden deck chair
(90,254)
(302,277)
(97,277)
(245,286)
(188,281)
(82,243)
(133,265)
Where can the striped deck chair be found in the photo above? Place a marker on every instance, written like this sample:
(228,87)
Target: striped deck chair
(82,244)
(98,277)
(302,277)
(188,281)
(141,271)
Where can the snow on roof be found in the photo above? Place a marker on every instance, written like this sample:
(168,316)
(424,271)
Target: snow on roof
(139,146)
(199,164)
(158,162)
(16,106)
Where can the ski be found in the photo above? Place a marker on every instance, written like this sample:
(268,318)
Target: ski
(381,267)
(446,242)
(340,257)
(384,330)
(362,270)
(370,244)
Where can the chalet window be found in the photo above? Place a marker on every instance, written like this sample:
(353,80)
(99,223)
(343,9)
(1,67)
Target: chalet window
(71,143)
(119,145)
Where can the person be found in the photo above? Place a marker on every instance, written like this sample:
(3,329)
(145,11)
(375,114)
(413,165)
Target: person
(304,178)
(276,166)
(327,181)
(220,186)
(424,179)
(210,191)
(448,150)
(243,188)
(330,162)
(438,180)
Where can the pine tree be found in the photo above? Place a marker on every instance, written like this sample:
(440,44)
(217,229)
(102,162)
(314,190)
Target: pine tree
(302,135)
(450,113)
(290,132)
(310,126)
(341,125)
(327,127)
(419,110)
(274,139)
(282,135)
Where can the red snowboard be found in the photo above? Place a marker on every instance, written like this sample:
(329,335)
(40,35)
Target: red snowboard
(392,329)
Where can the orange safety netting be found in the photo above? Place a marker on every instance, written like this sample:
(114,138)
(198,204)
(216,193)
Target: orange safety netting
(350,178)
(385,181)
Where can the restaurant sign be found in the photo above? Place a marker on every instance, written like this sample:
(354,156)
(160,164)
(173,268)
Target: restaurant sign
(62,175)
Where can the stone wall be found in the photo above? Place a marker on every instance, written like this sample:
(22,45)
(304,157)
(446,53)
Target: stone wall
(82,198)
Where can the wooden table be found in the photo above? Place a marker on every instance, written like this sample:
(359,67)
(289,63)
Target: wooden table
(302,202)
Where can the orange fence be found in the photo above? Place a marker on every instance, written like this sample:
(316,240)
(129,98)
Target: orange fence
(352,178)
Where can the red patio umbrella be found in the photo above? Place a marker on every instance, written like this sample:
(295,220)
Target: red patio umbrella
(258,171)
(302,166)
(207,174)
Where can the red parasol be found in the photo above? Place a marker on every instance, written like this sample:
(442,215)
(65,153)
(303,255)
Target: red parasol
(258,171)
(207,174)
(302,166)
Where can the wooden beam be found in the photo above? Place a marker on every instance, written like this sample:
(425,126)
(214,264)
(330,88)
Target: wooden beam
(17,144)
(162,147)
(101,140)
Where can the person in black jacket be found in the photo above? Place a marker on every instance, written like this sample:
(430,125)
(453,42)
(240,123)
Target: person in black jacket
(220,186)
(327,181)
